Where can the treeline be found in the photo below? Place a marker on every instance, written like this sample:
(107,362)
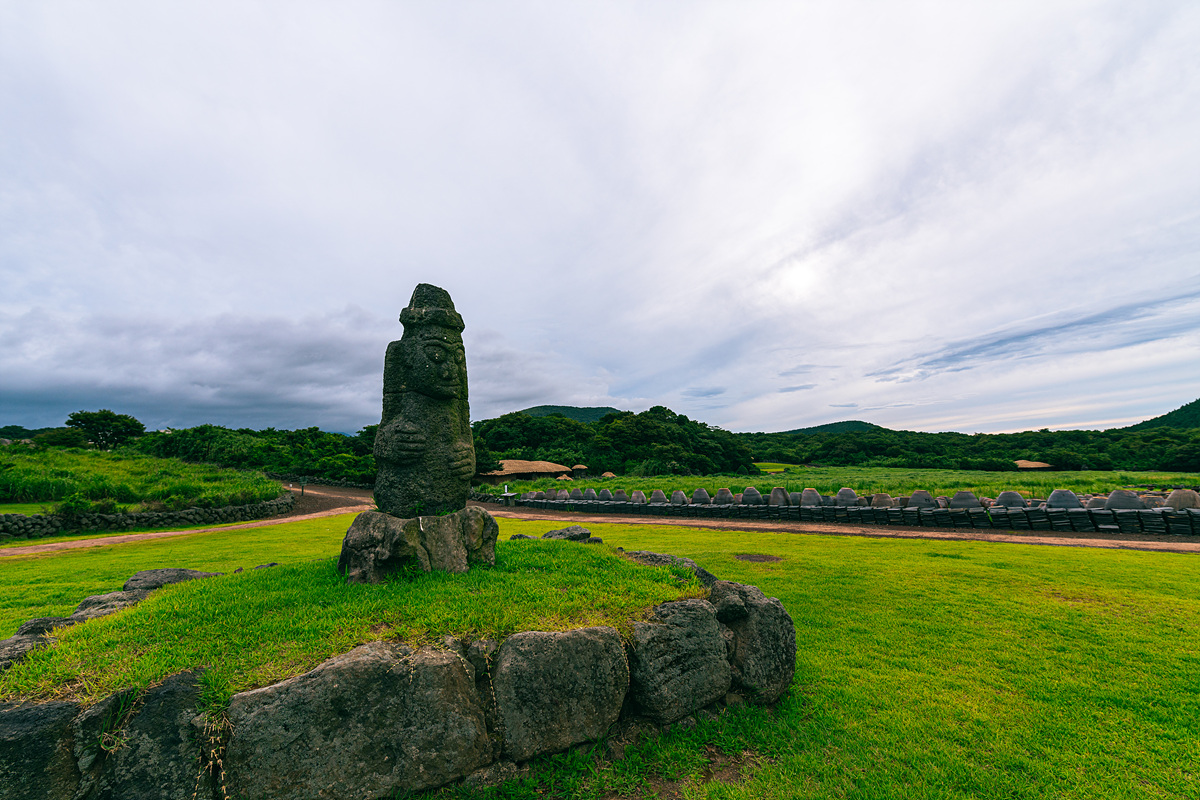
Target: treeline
(1157,448)
(654,442)
(306,452)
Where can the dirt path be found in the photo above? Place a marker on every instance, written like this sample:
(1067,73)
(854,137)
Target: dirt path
(1168,544)
(326,501)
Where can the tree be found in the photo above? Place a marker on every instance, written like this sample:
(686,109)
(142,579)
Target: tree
(62,437)
(105,428)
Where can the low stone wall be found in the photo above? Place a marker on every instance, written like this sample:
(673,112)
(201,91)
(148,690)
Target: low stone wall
(385,719)
(317,480)
(20,526)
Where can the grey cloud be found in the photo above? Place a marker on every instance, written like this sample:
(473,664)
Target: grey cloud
(799,388)
(703,391)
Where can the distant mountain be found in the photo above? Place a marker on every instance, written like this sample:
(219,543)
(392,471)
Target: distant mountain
(1187,416)
(840,427)
(585,414)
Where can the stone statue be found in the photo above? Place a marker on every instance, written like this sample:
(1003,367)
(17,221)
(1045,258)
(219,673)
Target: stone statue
(425,456)
(424,448)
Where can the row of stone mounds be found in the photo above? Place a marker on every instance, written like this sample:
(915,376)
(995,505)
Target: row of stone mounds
(1177,499)
(385,718)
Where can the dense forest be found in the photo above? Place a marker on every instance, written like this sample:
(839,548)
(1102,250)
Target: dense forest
(661,442)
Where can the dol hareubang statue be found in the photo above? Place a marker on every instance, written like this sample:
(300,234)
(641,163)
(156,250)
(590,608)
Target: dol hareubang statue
(425,456)
(424,448)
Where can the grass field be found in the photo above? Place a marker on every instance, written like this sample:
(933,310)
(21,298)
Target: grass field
(869,480)
(28,509)
(925,669)
(91,477)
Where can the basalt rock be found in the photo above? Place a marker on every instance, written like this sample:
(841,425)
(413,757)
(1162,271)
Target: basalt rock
(811,497)
(760,637)
(700,497)
(638,497)
(1122,499)
(379,720)
(1009,499)
(424,447)
(678,498)
(150,579)
(657,497)
(847,497)
(574,533)
(99,605)
(554,690)
(921,499)
(1063,498)
(36,761)
(605,495)
(663,559)
(751,497)
(965,499)
(881,500)
(379,544)
(678,660)
(724,498)
(1179,499)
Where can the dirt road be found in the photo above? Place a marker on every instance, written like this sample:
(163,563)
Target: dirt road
(325,501)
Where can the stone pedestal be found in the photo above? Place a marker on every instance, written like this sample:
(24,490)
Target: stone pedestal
(379,544)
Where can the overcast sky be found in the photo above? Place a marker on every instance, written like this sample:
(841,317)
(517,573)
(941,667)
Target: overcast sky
(931,216)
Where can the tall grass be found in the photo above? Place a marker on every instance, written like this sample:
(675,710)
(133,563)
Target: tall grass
(53,475)
(869,480)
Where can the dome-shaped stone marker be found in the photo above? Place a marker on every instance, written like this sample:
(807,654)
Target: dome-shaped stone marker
(1096,503)
(810,497)
(794,498)
(828,500)
(1180,499)
(700,497)
(576,494)
(1153,501)
(881,500)
(1063,498)
(605,494)
(638,496)
(657,497)
(921,499)
(563,494)
(1009,499)
(539,495)
(590,494)
(1123,498)
(724,498)
(965,499)
(678,498)
(620,496)
(779,497)
(847,497)
(751,497)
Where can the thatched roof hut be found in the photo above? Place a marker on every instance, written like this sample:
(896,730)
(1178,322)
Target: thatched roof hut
(1023,464)
(512,469)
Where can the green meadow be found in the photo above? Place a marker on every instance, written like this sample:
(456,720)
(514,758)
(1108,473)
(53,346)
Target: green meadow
(95,480)
(925,669)
(869,480)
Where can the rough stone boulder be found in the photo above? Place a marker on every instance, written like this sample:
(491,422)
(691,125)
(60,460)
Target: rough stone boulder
(554,690)
(29,636)
(99,605)
(1063,498)
(666,559)
(881,500)
(150,579)
(563,494)
(638,497)
(657,497)
(620,496)
(965,499)
(377,721)
(378,544)
(846,497)
(605,495)
(700,497)
(751,497)
(1179,499)
(35,753)
(921,499)
(678,661)
(153,753)
(779,497)
(678,498)
(590,494)
(811,497)
(573,533)
(724,498)
(1010,499)
(1123,499)
(576,495)
(760,638)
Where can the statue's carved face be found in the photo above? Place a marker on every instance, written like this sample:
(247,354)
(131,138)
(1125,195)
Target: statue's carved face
(437,362)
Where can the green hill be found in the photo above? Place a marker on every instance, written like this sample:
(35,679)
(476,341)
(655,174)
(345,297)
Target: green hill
(844,426)
(1187,416)
(584,414)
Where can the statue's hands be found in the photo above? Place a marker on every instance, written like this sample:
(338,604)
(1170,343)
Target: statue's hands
(399,441)
(462,461)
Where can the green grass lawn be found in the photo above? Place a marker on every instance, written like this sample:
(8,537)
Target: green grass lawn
(28,509)
(925,669)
